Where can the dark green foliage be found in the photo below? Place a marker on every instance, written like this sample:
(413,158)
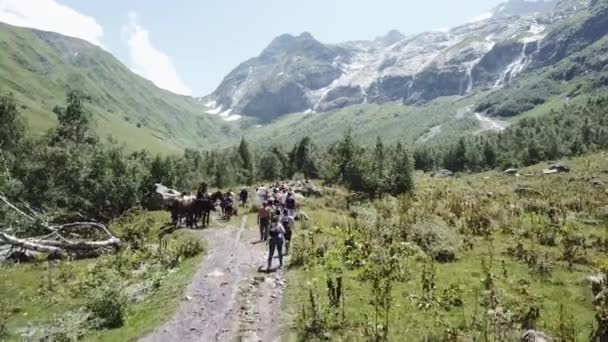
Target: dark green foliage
(373,172)
(571,131)
(74,121)
(270,167)
(11,126)
(108,308)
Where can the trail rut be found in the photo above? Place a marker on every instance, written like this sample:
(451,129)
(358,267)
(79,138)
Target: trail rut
(229,298)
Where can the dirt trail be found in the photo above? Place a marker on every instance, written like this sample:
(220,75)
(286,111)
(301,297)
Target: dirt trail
(229,299)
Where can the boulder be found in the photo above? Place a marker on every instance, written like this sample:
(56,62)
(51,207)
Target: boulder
(556,168)
(510,171)
(535,336)
(443,173)
(160,198)
(596,281)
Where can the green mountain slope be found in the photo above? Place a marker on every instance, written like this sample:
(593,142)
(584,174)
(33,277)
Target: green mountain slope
(40,67)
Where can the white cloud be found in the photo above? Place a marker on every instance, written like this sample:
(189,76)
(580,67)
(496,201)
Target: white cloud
(49,15)
(150,62)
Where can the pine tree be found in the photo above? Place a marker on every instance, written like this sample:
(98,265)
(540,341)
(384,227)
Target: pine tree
(489,155)
(247,161)
(270,167)
(402,173)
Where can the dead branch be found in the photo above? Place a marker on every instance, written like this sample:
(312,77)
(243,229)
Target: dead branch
(54,242)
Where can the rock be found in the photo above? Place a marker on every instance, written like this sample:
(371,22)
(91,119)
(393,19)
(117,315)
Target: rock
(160,198)
(445,255)
(556,168)
(510,171)
(535,336)
(596,283)
(188,298)
(443,173)
(597,183)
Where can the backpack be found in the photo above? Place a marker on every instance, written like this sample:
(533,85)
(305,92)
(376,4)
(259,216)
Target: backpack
(264,214)
(285,222)
(274,231)
(290,203)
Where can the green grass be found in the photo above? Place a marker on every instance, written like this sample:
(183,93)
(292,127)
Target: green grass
(42,292)
(563,287)
(40,67)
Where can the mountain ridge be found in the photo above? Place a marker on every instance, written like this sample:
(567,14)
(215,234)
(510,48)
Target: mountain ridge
(40,67)
(393,68)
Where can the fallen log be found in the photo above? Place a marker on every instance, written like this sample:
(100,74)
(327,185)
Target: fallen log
(54,243)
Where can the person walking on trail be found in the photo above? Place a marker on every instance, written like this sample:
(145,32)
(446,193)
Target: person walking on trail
(282,198)
(277,233)
(288,223)
(243,195)
(290,204)
(264,221)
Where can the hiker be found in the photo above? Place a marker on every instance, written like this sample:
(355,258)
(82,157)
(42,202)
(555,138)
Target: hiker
(228,207)
(243,196)
(290,204)
(264,221)
(277,232)
(282,197)
(288,223)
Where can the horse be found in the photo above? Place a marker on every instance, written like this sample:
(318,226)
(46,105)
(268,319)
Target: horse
(182,208)
(202,208)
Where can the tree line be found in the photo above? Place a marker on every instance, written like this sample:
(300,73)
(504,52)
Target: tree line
(70,172)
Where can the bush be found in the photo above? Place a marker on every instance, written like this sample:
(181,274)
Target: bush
(176,250)
(436,239)
(107,308)
(132,229)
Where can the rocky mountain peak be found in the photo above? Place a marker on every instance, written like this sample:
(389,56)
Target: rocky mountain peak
(287,44)
(392,37)
(524,7)
(301,74)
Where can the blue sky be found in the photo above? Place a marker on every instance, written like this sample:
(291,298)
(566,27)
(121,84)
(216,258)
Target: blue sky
(188,46)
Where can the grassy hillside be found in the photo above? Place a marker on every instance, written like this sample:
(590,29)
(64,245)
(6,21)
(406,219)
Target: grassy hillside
(40,67)
(538,247)
(391,122)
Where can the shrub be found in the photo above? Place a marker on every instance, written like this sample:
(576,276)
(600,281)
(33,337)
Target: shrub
(107,308)
(436,239)
(4,315)
(176,250)
(132,229)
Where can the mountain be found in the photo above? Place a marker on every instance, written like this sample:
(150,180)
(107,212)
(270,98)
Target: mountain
(520,40)
(40,67)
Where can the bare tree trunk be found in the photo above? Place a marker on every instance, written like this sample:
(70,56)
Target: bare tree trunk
(54,242)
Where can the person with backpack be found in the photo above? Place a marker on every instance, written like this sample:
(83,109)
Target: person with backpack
(290,204)
(277,232)
(264,221)
(243,195)
(288,223)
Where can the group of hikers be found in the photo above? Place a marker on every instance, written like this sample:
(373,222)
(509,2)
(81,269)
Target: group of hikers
(276,215)
(276,219)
